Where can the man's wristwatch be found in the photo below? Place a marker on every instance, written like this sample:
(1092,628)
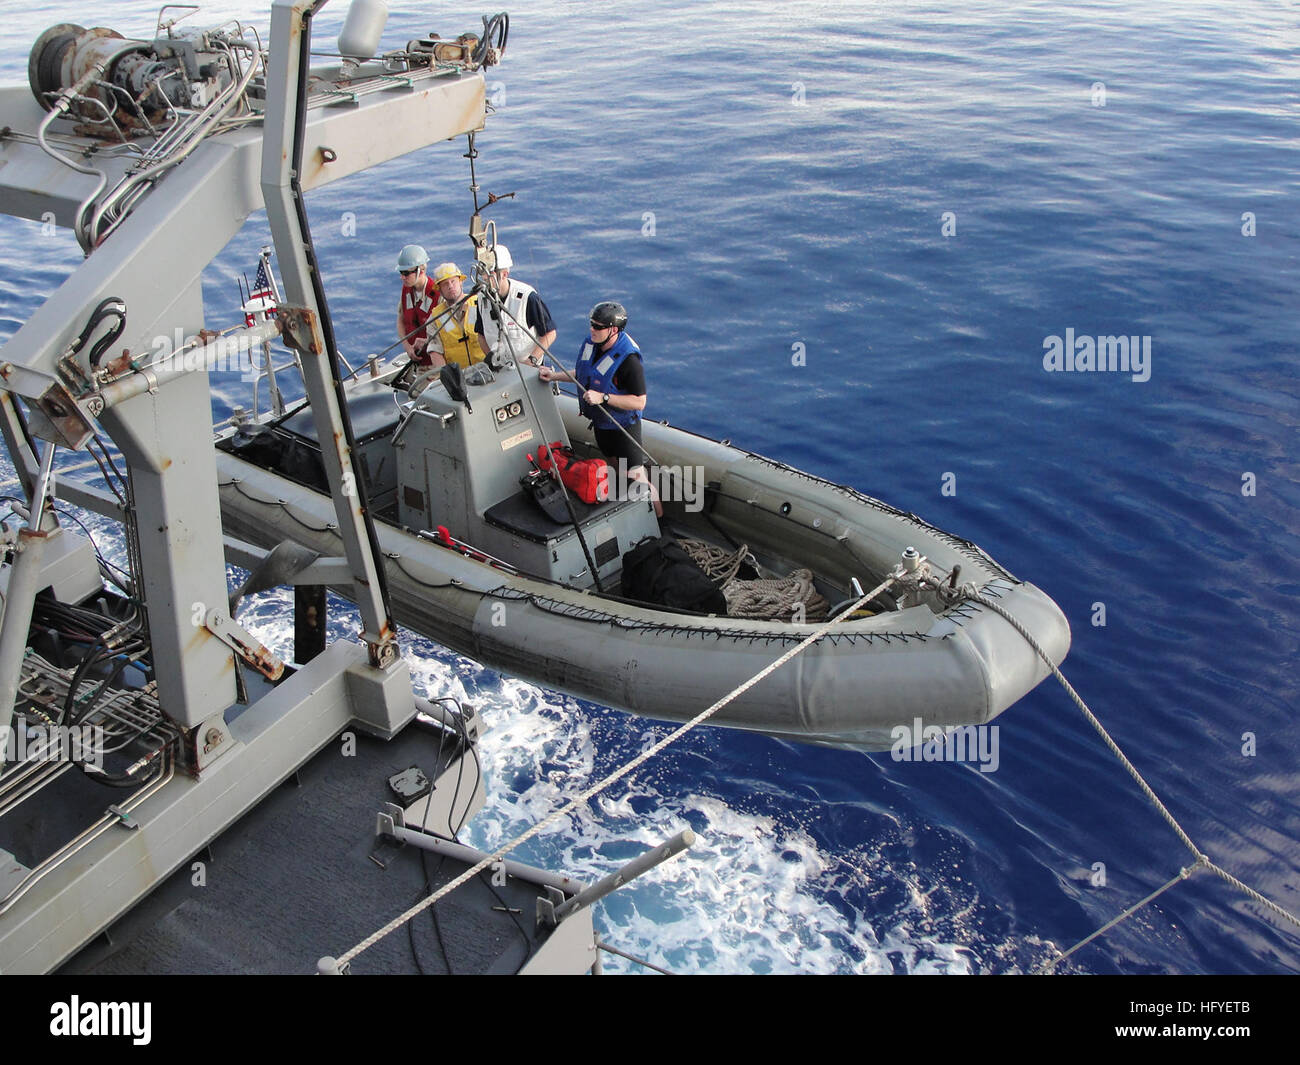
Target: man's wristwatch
(605,399)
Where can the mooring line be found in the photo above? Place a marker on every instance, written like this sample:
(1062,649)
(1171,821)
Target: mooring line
(1202,859)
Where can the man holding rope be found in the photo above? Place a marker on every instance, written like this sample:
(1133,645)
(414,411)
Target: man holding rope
(419,297)
(612,392)
(451,332)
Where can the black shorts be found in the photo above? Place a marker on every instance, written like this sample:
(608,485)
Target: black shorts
(614,446)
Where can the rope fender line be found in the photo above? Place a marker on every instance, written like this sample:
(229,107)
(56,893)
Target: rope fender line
(1203,861)
(579,612)
(338,964)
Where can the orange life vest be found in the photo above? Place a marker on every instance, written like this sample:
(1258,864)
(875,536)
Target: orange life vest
(416,308)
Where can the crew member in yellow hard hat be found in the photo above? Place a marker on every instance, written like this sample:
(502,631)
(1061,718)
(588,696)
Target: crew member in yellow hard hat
(451,332)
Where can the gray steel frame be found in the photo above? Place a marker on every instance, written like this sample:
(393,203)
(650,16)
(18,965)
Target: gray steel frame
(153,262)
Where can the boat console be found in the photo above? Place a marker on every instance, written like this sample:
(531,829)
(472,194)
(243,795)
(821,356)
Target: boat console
(459,466)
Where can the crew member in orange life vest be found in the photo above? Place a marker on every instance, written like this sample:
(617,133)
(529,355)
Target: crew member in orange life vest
(611,390)
(452,337)
(419,297)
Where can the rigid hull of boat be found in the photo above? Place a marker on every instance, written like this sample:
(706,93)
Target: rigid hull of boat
(960,666)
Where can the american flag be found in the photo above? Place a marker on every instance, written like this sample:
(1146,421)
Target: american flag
(263,287)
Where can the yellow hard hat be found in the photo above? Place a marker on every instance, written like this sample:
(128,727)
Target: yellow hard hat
(445,272)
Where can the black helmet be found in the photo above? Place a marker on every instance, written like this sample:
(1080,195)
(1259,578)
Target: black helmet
(608,313)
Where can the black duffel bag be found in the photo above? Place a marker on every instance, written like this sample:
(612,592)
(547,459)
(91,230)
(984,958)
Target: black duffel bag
(659,571)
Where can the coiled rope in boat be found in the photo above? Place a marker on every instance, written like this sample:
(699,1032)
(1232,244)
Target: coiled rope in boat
(762,598)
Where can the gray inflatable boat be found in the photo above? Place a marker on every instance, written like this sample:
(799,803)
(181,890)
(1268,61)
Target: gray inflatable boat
(475,563)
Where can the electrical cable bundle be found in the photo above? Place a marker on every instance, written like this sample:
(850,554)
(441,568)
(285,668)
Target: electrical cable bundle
(449,746)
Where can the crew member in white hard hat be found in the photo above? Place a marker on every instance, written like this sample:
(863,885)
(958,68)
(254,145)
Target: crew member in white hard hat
(452,337)
(419,297)
(524,327)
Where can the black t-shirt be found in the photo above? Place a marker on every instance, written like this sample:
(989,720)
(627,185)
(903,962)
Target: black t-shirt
(630,377)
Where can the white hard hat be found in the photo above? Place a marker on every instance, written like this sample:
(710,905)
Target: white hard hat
(504,262)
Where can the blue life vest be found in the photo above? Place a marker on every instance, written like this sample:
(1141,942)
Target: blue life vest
(595,371)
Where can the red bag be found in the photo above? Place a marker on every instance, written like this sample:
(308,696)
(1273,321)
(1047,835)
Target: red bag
(588,479)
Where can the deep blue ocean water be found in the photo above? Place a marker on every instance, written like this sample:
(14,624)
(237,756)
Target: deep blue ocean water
(757,180)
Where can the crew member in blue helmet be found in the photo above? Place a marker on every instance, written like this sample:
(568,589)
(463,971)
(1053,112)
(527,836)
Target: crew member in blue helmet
(612,392)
